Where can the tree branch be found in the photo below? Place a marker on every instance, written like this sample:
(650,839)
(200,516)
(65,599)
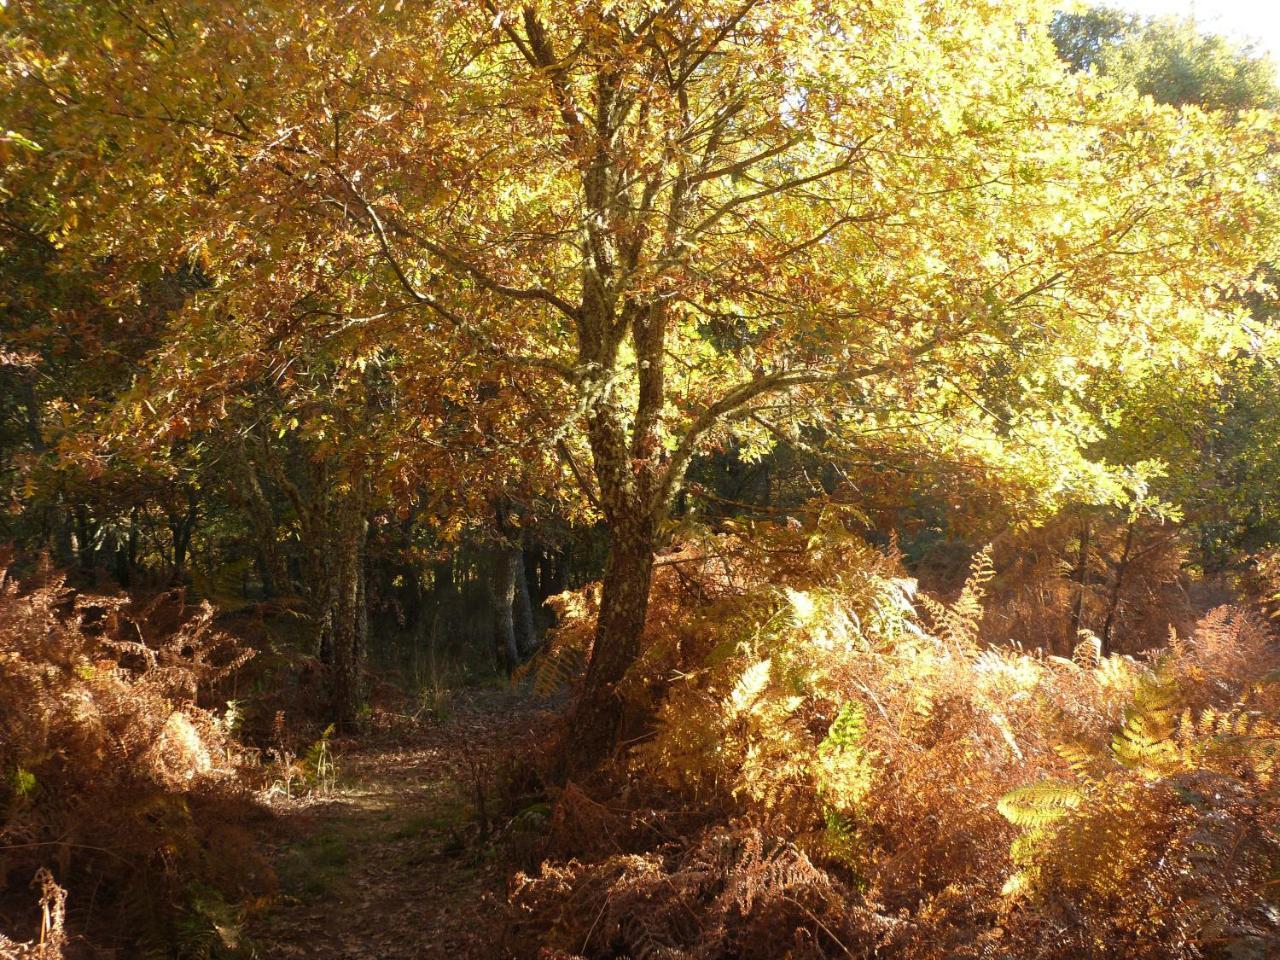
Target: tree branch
(736,400)
(388,253)
(566,454)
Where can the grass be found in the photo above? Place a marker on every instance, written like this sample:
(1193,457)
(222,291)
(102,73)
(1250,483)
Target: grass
(314,867)
(449,818)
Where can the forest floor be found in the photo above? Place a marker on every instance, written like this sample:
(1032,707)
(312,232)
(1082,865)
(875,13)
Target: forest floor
(393,863)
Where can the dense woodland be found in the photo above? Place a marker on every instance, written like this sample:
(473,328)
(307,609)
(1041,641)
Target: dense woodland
(639,479)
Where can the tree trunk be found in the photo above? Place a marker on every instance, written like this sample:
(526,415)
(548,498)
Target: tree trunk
(1113,604)
(522,606)
(181,528)
(272,569)
(348,625)
(85,536)
(1082,578)
(552,572)
(506,561)
(127,551)
(624,604)
(135,533)
(122,559)
(62,537)
(57,519)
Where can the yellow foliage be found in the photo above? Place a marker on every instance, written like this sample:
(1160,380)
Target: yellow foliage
(949,780)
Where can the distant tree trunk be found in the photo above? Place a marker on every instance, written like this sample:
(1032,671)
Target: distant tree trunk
(272,570)
(127,551)
(522,607)
(442,585)
(334,531)
(121,560)
(348,621)
(435,611)
(533,559)
(1113,602)
(181,528)
(552,573)
(1082,581)
(62,536)
(513,613)
(267,573)
(505,567)
(85,536)
(135,534)
(58,523)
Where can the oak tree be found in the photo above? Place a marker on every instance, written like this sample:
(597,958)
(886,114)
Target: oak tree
(649,227)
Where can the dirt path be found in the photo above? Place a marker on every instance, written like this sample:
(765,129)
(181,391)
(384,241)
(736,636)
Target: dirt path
(391,864)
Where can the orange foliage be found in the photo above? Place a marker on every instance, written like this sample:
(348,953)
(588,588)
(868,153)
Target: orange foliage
(846,760)
(114,780)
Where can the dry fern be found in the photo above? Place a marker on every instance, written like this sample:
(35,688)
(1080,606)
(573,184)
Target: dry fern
(52,937)
(113,777)
(827,774)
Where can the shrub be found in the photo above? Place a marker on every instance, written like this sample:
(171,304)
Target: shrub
(1166,842)
(114,780)
(805,704)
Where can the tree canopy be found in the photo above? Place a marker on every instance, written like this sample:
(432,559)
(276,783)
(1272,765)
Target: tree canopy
(632,231)
(1169,58)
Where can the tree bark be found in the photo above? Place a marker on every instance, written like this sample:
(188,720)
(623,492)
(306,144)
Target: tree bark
(522,607)
(181,529)
(348,625)
(62,536)
(1082,578)
(272,570)
(506,561)
(121,558)
(624,604)
(85,536)
(58,521)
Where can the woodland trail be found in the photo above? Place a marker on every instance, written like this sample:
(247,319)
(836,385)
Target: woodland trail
(391,864)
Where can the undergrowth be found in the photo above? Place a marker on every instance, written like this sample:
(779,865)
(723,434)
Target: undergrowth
(120,791)
(826,763)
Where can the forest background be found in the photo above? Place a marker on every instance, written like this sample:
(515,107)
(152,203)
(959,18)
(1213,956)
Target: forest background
(830,406)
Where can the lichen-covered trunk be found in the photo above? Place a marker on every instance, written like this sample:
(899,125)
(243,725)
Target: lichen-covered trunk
(621,330)
(624,605)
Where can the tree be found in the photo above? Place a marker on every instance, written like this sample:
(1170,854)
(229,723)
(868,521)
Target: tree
(1169,58)
(1215,435)
(660,227)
